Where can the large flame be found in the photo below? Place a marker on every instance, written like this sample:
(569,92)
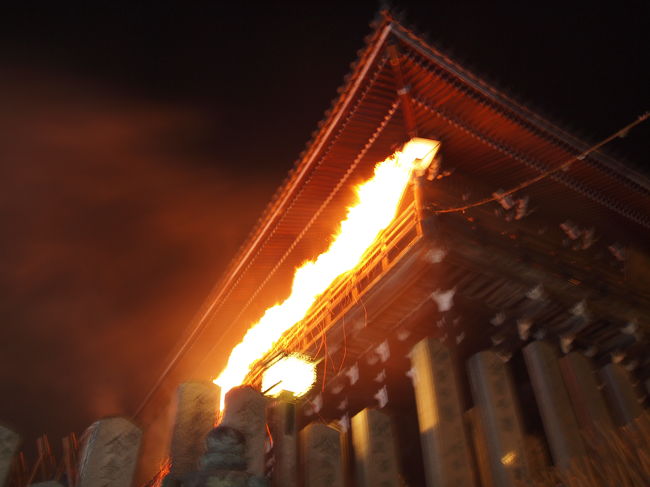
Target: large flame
(377,201)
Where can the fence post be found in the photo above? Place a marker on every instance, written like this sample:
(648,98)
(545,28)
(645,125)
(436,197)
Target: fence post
(110,453)
(197,404)
(9,442)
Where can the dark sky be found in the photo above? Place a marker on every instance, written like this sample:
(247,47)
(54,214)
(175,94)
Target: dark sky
(139,142)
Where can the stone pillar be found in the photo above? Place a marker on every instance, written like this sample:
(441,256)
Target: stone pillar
(9,442)
(581,384)
(499,418)
(282,423)
(197,404)
(559,421)
(375,453)
(320,452)
(446,455)
(245,411)
(621,396)
(109,453)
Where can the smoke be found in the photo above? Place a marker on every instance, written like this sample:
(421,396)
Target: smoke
(117,217)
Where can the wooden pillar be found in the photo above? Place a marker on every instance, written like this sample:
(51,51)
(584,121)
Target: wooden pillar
(197,404)
(621,396)
(581,384)
(479,444)
(499,417)
(375,451)
(245,411)
(320,448)
(282,423)
(446,455)
(559,421)
(9,442)
(110,453)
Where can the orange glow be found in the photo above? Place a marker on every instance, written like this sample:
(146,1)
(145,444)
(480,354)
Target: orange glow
(293,373)
(378,199)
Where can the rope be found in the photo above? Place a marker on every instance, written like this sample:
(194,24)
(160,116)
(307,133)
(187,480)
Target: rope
(562,167)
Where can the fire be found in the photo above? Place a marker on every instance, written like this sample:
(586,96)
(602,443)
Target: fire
(292,373)
(378,199)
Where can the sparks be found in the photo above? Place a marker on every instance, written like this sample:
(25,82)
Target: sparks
(378,199)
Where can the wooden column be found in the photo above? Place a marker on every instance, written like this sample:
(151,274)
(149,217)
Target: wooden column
(245,411)
(375,451)
(621,396)
(320,448)
(446,455)
(109,454)
(9,442)
(581,384)
(479,443)
(559,421)
(499,417)
(197,404)
(282,423)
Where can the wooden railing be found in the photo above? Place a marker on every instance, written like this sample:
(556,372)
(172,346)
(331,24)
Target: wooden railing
(403,233)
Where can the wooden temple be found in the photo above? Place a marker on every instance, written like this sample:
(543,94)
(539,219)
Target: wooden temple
(489,338)
(495,331)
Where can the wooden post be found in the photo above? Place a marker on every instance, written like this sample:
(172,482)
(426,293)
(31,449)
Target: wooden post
(70,454)
(197,404)
(110,453)
(48,463)
(20,474)
(446,455)
(559,421)
(499,417)
(320,448)
(374,449)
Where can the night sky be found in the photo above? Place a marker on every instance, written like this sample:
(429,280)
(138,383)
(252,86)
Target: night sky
(139,143)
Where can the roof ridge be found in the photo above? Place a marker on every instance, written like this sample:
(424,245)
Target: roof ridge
(625,172)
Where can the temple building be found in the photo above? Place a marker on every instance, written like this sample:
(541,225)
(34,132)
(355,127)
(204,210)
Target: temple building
(489,332)
(495,334)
